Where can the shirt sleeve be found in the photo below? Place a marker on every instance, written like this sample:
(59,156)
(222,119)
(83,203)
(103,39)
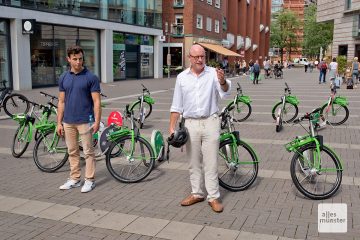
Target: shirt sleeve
(177,103)
(95,84)
(61,83)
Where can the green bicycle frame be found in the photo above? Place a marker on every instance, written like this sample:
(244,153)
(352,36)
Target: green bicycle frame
(23,121)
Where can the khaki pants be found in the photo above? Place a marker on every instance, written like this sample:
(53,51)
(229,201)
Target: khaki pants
(202,150)
(72,132)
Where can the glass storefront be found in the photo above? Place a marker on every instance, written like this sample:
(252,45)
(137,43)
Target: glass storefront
(4,52)
(133,56)
(139,12)
(48,47)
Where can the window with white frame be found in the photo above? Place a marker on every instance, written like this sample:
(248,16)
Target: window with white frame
(179,2)
(199,21)
(217,3)
(209,2)
(178,27)
(208,24)
(217,26)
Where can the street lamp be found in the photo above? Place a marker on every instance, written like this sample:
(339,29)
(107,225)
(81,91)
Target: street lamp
(168,56)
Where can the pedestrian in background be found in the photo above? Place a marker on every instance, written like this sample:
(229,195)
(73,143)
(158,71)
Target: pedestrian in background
(323,69)
(355,72)
(79,114)
(256,70)
(196,97)
(333,70)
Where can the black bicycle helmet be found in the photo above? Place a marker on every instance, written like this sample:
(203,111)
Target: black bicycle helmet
(179,137)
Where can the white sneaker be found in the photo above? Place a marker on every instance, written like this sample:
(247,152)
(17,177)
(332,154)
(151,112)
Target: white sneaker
(70,183)
(88,186)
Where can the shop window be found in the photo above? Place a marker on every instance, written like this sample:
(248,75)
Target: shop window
(199,21)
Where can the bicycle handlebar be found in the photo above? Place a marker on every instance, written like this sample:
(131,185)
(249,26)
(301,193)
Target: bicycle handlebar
(3,82)
(145,89)
(48,95)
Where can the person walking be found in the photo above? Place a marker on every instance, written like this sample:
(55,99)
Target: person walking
(333,70)
(196,97)
(306,65)
(355,72)
(323,69)
(79,114)
(256,70)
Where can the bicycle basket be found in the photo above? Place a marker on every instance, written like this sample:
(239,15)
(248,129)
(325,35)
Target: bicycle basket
(341,101)
(292,99)
(149,99)
(243,98)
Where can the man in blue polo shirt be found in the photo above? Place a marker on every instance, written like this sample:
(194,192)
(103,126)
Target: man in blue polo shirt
(79,114)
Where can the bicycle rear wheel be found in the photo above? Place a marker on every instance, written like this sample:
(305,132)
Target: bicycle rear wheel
(240,111)
(336,115)
(290,111)
(20,143)
(16,104)
(238,165)
(126,167)
(50,152)
(315,183)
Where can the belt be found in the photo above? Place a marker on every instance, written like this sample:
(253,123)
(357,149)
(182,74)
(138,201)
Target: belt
(202,117)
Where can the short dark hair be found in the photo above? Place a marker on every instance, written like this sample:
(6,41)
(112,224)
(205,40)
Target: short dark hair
(334,59)
(74,50)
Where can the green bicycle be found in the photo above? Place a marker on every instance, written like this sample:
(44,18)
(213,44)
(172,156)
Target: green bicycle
(240,107)
(237,160)
(286,110)
(24,133)
(142,107)
(130,157)
(315,168)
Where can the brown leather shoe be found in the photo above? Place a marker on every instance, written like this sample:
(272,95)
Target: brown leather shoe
(216,206)
(190,200)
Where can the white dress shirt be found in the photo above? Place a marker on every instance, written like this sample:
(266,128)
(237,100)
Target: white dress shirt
(198,96)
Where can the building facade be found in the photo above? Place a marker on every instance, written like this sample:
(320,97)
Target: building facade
(121,39)
(345,14)
(241,26)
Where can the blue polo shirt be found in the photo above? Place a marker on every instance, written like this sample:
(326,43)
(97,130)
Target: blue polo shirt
(78,101)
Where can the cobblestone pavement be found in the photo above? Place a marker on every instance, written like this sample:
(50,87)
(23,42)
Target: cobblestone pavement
(32,206)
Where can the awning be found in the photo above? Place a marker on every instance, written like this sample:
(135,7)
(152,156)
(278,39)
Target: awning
(219,49)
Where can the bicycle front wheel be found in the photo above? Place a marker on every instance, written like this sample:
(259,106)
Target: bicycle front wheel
(130,162)
(336,114)
(290,111)
(16,103)
(50,152)
(20,141)
(240,111)
(238,165)
(136,109)
(316,182)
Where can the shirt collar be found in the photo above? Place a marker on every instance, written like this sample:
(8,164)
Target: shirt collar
(206,69)
(80,73)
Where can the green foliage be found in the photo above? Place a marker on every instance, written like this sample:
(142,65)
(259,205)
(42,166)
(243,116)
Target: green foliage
(316,35)
(213,63)
(342,64)
(284,31)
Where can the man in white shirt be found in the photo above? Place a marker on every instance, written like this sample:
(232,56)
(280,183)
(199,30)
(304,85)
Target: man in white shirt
(196,95)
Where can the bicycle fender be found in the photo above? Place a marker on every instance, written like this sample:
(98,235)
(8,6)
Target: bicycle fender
(133,105)
(251,148)
(333,152)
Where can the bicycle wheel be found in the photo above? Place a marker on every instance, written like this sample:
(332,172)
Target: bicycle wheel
(136,109)
(16,104)
(50,152)
(20,143)
(336,115)
(279,122)
(237,165)
(240,111)
(289,114)
(316,183)
(126,167)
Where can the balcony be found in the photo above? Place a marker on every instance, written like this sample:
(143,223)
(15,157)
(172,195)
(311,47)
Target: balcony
(177,30)
(178,3)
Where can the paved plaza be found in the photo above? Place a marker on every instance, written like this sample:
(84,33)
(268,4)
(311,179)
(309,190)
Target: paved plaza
(33,207)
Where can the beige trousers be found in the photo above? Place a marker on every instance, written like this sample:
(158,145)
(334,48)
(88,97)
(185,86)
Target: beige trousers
(201,151)
(72,133)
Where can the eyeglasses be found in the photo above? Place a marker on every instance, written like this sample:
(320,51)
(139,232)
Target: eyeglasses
(198,57)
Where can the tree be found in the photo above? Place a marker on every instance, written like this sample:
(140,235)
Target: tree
(316,35)
(284,31)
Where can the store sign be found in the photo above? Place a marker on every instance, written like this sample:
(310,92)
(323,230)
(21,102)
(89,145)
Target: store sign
(28,26)
(146,49)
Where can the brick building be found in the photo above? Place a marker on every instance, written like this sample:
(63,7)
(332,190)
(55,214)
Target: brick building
(241,26)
